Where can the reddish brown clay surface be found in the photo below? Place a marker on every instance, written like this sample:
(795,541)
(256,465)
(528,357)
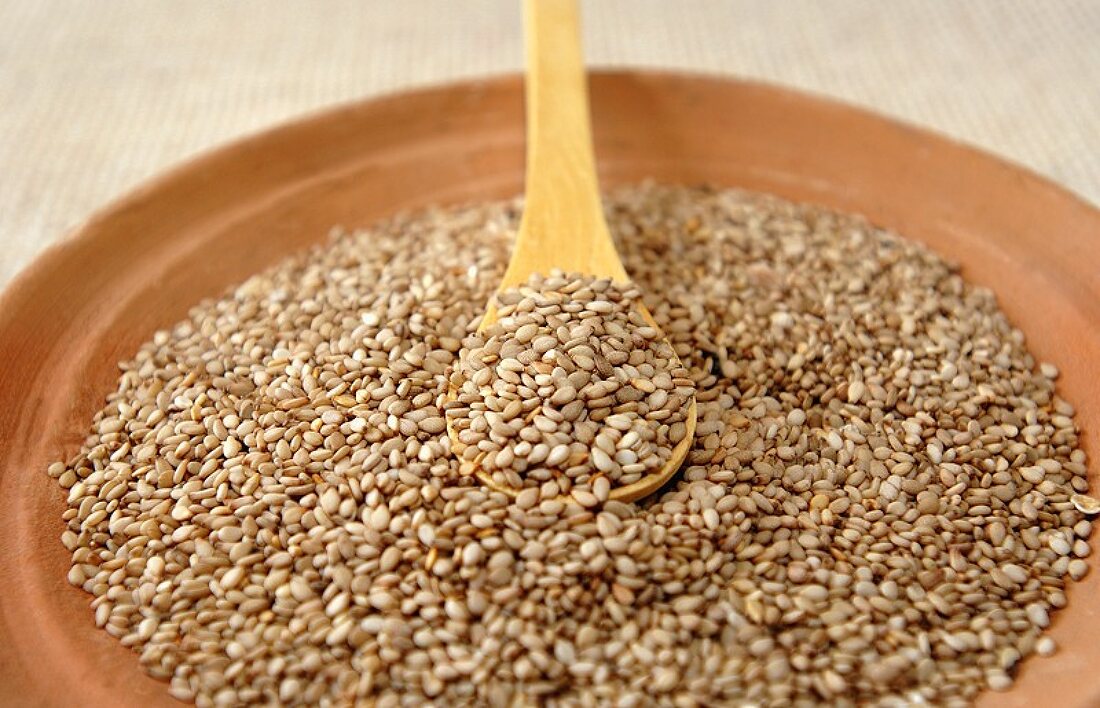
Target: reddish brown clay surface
(140,264)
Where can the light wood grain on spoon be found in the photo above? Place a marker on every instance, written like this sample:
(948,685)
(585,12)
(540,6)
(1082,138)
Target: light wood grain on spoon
(563,225)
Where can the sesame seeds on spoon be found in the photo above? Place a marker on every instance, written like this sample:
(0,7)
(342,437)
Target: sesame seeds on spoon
(569,391)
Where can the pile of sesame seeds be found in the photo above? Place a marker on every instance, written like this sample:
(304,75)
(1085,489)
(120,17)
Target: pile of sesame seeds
(883,502)
(569,391)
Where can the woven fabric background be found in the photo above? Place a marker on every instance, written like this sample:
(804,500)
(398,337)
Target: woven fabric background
(99,95)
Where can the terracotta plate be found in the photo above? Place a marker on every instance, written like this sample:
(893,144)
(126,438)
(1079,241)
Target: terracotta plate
(141,263)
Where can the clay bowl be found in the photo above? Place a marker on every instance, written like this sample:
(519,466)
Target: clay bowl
(140,264)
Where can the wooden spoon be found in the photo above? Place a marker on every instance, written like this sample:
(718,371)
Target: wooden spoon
(563,225)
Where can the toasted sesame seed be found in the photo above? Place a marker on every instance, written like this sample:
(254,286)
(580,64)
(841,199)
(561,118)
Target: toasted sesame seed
(884,502)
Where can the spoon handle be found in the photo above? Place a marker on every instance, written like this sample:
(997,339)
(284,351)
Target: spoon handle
(563,224)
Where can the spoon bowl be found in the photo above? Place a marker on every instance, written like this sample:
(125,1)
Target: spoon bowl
(644,487)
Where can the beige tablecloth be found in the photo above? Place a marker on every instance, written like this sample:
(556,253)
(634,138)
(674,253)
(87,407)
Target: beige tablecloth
(98,95)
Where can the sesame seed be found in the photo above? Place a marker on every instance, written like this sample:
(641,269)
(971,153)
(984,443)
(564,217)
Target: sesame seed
(885,500)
